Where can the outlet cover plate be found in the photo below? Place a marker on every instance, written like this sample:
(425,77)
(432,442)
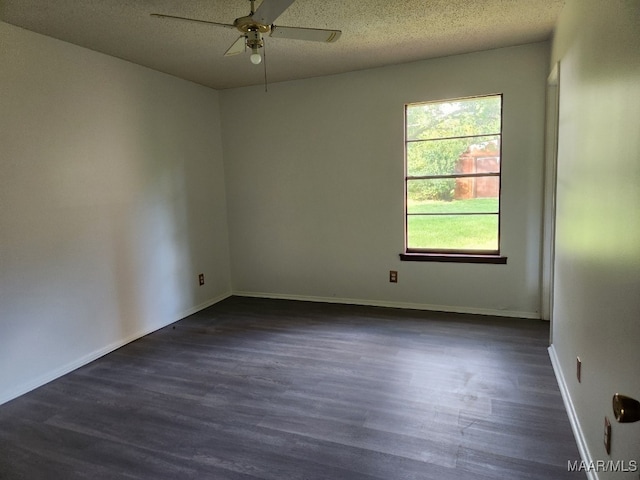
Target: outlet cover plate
(579,369)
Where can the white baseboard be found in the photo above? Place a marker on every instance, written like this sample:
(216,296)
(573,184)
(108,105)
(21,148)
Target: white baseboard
(571,412)
(381,303)
(71,366)
(202,306)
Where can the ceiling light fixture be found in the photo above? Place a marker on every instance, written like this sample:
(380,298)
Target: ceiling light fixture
(254,42)
(255,57)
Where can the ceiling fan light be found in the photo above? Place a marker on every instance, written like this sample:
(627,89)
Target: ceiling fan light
(255,57)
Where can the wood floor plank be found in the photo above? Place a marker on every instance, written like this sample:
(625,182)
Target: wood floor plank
(270,389)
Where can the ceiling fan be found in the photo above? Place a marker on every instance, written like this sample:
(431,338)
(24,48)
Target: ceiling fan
(260,21)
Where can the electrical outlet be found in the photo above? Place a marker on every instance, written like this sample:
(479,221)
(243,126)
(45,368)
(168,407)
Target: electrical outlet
(579,369)
(393,276)
(607,435)
(201,279)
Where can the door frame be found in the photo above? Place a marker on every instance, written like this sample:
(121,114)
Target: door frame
(549,196)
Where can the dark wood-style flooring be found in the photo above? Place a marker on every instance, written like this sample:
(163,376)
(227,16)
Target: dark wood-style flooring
(272,389)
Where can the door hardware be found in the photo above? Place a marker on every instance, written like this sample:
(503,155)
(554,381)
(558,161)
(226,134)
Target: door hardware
(626,409)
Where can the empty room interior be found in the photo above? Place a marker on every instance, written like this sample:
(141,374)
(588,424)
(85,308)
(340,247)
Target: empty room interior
(217,266)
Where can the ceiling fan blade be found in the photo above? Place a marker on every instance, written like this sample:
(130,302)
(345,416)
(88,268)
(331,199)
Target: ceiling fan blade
(269,10)
(311,34)
(173,17)
(237,47)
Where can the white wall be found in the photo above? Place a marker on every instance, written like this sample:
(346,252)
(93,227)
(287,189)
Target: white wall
(315,185)
(112,200)
(597,286)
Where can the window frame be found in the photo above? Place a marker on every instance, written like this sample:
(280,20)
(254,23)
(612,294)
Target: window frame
(445,254)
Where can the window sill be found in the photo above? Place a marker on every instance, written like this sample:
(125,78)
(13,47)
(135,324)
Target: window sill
(452,257)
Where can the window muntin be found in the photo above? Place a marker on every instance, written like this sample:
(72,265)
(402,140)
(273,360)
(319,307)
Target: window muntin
(452,183)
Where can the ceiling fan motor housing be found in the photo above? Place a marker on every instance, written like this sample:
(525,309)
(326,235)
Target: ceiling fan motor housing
(248,24)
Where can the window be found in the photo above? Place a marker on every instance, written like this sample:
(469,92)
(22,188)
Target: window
(452,181)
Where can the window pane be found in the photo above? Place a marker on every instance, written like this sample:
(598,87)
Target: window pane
(472,205)
(437,189)
(453,165)
(470,194)
(453,232)
(460,155)
(473,116)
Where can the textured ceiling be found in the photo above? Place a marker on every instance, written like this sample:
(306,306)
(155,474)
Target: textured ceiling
(374,33)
